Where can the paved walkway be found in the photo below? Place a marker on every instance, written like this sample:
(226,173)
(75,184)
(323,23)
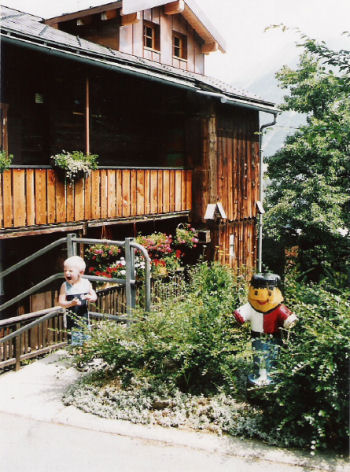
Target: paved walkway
(38,433)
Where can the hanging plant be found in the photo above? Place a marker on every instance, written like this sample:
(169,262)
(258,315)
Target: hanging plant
(73,165)
(186,236)
(5,160)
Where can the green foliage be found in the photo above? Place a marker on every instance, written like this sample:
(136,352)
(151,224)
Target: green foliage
(5,161)
(192,341)
(308,199)
(190,344)
(309,406)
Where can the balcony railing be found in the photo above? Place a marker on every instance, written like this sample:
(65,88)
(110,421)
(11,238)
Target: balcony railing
(32,196)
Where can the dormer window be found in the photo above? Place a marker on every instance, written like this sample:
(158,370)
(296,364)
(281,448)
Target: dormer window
(179,46)
(151,36)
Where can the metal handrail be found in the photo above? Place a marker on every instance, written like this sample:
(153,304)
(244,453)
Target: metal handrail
(50,279)
(123,243)
(33,256)
(50,313)
(18,319)
(53,311)
(71,239)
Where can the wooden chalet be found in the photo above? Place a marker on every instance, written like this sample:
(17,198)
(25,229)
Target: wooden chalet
(131,88)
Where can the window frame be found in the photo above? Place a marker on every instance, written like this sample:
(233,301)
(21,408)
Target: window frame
(154,37)
(182,46)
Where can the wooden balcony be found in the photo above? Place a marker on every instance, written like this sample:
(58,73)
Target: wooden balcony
(36,197)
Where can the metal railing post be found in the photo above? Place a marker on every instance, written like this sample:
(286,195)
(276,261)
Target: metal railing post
(132,275)
(71,246)
(129,288)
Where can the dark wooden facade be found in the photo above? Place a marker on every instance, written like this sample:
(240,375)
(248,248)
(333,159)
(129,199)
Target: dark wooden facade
(165,151)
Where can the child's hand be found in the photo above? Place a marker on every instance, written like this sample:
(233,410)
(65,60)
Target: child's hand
(75,302)
(88,297)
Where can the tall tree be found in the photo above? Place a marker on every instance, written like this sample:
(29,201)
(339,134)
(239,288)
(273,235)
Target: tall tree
(308,198)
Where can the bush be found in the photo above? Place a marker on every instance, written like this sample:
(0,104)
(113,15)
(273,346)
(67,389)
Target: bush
(192,341)
(192,344)
(308,407)
(5,161)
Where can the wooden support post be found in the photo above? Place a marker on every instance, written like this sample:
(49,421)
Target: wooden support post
(3,127)
(87,116)
(212,157)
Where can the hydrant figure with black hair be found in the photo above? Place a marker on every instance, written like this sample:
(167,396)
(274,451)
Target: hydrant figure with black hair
(267,315)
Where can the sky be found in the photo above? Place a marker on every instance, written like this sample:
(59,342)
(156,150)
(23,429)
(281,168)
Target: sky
(252,56)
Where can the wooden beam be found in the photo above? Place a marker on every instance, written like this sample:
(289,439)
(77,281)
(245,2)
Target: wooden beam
(131,19)
(3,127)
(42,229)
(174,7)
(87,116)
(85,21)
(108,15)
(212,157)
(82,13)
(210,47)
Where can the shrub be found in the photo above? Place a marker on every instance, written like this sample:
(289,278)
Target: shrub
(192,341)
(309,404)
(5,160)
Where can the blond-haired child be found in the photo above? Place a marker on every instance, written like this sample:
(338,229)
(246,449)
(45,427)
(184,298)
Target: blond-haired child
(75,293)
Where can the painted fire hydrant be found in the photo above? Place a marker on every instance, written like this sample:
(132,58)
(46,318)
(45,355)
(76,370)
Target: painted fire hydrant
(267,314)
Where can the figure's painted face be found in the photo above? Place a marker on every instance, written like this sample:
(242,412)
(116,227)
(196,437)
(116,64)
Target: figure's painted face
(264,299)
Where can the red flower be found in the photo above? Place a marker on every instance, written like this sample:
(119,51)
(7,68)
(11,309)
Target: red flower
(178,253)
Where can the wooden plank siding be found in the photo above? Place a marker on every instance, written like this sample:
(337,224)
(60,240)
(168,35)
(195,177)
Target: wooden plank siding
(34,197)
(238,167)
(244,244)
(237,187)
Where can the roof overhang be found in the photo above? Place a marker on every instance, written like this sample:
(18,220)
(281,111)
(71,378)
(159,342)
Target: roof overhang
(82,13)
(202,25)
(170,78)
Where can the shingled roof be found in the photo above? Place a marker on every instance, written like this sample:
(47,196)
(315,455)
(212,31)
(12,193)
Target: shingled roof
(30,31)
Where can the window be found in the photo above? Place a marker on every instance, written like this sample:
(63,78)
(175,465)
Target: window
(179,46)
(151,36)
